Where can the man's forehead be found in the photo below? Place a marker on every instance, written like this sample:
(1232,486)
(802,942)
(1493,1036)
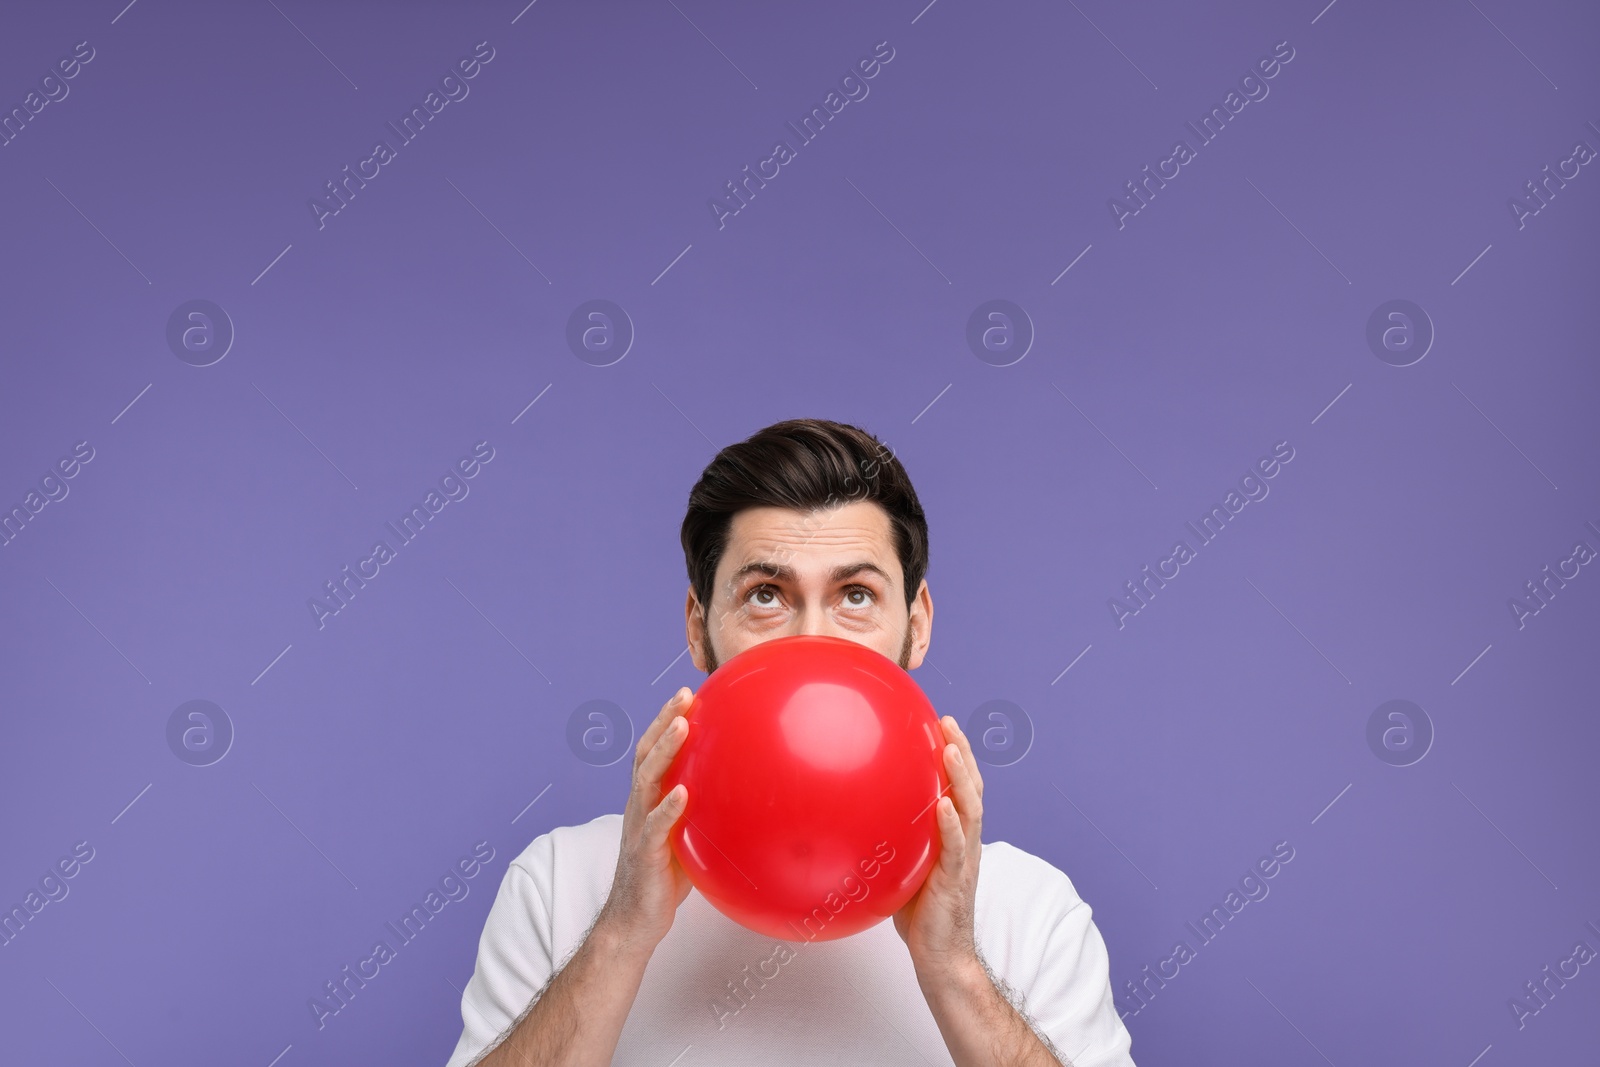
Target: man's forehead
(789,535)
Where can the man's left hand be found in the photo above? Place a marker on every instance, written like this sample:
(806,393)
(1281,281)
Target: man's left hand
(937,923)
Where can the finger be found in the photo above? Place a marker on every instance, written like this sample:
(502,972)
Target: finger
(952,854)
(672,707)
(954,732)
(658,824)
(647,782)
(964,787)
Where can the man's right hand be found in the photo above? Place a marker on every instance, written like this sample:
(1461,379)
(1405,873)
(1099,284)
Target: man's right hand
(650,883)
(578,1017)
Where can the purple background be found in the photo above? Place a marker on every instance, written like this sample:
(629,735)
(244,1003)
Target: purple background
(1229,314)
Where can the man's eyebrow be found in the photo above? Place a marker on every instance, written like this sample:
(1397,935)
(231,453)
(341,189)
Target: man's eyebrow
(780,573)
(850,570)
(774,571)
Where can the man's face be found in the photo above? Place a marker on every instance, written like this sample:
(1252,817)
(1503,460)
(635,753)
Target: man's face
(831,571)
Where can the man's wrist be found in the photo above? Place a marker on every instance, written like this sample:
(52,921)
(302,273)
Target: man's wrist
(616,942)
(954,977)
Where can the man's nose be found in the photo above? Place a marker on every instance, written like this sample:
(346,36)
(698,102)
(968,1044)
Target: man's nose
(814,621)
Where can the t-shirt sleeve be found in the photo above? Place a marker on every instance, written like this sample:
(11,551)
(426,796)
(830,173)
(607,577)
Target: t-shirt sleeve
(515,957)
(1069,997)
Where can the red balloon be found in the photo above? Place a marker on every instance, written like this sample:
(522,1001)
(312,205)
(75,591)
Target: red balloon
(812,766)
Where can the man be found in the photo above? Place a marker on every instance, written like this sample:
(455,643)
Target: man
(597,951)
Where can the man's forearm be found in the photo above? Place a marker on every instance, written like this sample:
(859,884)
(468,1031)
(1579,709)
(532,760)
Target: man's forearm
(579,1016)
(980,1026)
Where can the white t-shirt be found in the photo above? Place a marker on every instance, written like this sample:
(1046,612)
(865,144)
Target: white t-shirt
(717,993)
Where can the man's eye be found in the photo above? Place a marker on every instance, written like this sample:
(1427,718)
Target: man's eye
(859,590)
(760,591)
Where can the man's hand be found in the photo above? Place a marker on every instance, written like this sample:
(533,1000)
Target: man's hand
(650,883)
(578,1017)
(937,923)
(979,1024)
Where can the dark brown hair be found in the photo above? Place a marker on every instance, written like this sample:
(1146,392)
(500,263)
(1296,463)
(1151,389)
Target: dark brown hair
(801,464)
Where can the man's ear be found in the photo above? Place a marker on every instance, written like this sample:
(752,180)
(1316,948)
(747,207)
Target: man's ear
(695,628)
(921,623)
